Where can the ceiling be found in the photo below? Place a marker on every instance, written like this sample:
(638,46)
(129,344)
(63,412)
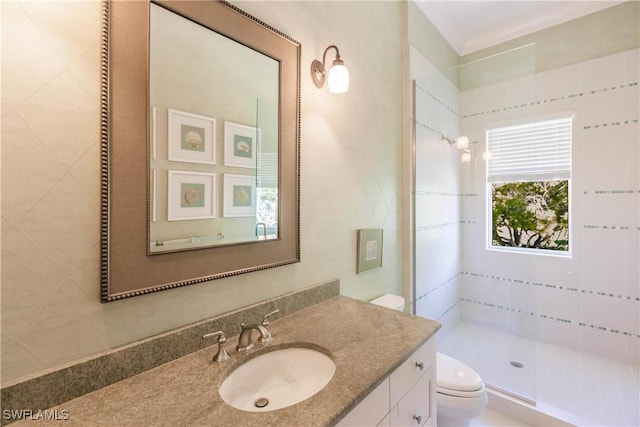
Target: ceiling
(473,25)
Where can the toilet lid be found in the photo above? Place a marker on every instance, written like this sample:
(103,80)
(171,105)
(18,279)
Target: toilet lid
(454,376)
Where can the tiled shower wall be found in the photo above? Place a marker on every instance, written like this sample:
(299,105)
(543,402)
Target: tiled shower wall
(590,301)
(437,195)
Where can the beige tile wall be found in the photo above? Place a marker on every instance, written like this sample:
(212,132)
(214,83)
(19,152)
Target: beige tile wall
(351,160)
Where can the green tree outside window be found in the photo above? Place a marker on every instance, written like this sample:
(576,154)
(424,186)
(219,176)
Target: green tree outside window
(531,215)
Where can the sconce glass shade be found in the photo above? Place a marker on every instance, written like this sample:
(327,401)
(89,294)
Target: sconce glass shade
(466,156)
(338,79)
(462,142)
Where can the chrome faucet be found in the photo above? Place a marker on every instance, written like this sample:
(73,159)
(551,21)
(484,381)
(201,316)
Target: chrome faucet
(245,341)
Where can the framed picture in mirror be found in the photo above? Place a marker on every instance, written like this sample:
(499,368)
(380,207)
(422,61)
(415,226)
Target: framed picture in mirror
(192,138)
(241,145)
(191,195)
(239,195)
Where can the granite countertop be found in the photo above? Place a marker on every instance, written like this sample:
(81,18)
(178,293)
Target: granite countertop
(365,341)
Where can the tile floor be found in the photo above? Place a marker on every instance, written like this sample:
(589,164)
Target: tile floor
(576,387)
(494,419)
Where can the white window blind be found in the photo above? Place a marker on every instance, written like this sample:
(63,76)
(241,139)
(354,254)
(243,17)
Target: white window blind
(267,172)
(536,151)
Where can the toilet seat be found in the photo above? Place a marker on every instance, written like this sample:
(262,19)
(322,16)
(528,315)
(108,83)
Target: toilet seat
(458,393)
(454,378)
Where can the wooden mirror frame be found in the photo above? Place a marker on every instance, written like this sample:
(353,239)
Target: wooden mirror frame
(126,268)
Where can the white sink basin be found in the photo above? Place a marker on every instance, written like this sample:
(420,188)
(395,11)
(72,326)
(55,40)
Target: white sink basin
(277,379)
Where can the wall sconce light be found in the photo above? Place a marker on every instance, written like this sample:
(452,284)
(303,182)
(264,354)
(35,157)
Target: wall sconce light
(461,142)
(338,76)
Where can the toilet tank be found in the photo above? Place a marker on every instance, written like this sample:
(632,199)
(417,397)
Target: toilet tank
(395,302)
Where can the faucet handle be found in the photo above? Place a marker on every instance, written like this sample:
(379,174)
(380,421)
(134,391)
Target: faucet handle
(222,354)
(265,319)
(265,335)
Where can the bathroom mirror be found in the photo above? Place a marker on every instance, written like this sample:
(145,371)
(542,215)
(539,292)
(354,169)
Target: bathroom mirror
(200,145)
(214,137)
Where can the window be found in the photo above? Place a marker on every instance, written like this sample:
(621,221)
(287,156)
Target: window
(528,179)
(267,195)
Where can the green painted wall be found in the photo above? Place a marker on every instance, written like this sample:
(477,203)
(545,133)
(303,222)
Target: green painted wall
(603,33)
(429,42)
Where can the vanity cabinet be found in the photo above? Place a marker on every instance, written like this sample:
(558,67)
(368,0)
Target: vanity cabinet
(407,397)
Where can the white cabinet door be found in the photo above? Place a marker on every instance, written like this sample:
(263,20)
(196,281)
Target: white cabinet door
(406,398)
(386,421)
(407,374)
(371,410)
(415,408)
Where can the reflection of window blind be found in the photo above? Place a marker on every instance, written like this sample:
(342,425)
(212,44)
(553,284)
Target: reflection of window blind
(530,152)
(268,170)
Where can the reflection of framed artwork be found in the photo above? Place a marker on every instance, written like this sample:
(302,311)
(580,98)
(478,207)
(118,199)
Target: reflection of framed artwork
(192,138)
(241,145)
(239,195)
(369,249)
(191,195)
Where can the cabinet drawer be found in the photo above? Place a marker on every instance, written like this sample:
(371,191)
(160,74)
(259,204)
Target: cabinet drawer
(407,374)
(415,408)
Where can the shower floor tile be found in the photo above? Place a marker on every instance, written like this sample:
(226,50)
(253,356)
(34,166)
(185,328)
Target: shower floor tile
(599,391)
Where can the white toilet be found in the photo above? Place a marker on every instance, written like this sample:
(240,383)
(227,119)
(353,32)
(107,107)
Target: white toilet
(461,394)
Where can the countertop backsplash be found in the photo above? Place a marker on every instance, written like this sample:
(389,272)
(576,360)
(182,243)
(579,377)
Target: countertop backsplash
(46,389)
